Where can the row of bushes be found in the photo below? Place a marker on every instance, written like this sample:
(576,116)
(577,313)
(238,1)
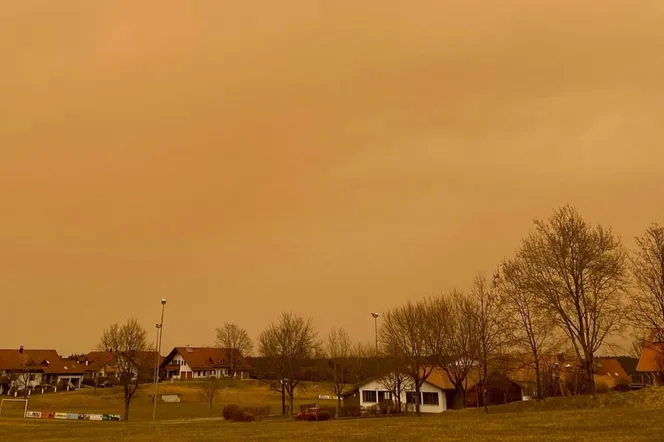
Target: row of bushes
(248,414)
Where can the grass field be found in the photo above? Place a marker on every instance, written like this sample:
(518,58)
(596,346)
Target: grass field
(636,416)
(246,393)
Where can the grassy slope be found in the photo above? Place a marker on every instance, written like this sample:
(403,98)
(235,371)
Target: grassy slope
(246,393)
(635,416)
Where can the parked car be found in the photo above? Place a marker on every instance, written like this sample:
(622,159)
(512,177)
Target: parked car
(309,414)
(107,384)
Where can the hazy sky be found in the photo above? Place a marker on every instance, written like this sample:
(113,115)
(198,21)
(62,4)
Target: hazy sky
(333,158)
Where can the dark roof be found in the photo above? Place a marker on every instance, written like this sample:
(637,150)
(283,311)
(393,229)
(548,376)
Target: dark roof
(628,364)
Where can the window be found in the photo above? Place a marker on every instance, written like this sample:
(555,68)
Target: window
(368,396)
(384,396)
(430,398)
(410,397)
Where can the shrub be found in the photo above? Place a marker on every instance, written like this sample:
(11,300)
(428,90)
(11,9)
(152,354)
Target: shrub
(323,416)
(244,416)
(258,411)
(601,387)
(350,411)
(231,411)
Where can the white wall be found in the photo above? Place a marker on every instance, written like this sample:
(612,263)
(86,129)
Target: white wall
(408,386)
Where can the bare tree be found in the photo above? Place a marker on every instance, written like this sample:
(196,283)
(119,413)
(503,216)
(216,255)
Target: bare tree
(532,328)
(285,345)
(405,335)
(395,380)
(488,319)
(578,273)
(25,374)
(338,348)
(128,344)
(237,342)
(647,296)
(454,339)
(637,345)
(208,389)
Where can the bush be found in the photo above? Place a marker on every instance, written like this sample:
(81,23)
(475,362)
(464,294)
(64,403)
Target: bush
(244,416)
(350,411)
(231,411)
(323,416)
(258,411)
(601,387)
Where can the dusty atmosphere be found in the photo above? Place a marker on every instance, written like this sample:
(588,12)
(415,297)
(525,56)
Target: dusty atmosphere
(333,158)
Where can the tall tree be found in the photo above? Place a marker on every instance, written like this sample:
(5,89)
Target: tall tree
(647,295)
(128,344)
(236,341)
(488,318)
(286,345)
(531,329)
(454,339)
(579,273)
(404,334)
(338,349)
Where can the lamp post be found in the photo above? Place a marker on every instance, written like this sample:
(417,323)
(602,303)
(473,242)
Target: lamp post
(375,316)
(160,332)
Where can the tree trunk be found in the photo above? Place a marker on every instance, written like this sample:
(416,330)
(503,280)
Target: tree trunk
(484,401)
(590,387)
(338,405)
(417,397)
(127,401)
(283,400)
(538,380)
(290,400)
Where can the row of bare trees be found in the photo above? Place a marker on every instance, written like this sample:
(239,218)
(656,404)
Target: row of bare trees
(570,285)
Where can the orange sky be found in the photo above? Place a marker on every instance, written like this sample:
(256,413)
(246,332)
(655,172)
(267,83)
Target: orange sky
(244,158)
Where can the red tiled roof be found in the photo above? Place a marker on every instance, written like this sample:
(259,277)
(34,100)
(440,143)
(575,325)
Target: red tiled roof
(97,360)
(652,358)
(610,367)
(204,358)
(46,361)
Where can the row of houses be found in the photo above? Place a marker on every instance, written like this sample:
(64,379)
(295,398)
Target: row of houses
(30,369)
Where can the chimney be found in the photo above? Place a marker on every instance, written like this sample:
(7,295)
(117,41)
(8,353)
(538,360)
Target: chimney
(20,350)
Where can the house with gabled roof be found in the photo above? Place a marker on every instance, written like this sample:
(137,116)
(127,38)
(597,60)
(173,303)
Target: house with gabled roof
(184,363)
(21,368)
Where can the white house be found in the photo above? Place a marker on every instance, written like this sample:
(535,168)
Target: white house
(372,392)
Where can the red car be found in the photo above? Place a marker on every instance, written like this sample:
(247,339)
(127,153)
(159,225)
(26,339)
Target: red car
(310,414)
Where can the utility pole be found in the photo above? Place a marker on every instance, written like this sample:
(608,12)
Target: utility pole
(160,331)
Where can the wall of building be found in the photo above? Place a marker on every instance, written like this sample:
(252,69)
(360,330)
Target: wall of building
(378,386)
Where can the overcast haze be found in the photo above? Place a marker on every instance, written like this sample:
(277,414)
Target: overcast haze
(333,158)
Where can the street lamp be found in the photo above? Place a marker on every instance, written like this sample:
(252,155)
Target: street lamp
(160,331)
(375,316)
